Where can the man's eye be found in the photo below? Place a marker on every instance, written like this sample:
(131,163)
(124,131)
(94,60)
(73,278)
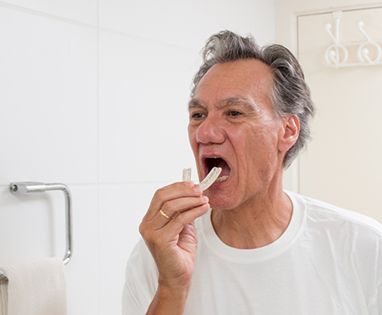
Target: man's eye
(234,113)
(197,115)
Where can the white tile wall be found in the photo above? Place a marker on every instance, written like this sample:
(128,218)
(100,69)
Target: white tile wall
(101,108)
(84,11)
(83,272)
(20,240)
(48,96)
(32,227)
(144,88)
(121,208)
(188,23)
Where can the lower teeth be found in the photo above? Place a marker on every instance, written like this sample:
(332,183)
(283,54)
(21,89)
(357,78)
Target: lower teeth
(221,178)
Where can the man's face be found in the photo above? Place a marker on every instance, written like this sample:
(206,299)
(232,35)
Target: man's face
(232,125)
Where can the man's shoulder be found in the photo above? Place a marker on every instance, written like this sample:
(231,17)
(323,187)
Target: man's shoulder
(329,216)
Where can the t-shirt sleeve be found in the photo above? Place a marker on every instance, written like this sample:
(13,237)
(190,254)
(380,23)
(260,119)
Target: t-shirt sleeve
(141,281)
(378,298)
(375,301)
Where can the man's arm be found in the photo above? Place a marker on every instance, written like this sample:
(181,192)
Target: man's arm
(168,301)
(170,235)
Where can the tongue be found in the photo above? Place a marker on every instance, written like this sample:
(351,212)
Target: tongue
(225,168)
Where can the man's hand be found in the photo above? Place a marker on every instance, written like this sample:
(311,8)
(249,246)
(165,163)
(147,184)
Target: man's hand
(171,239)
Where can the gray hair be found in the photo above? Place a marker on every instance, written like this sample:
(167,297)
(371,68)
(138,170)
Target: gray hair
(290,93)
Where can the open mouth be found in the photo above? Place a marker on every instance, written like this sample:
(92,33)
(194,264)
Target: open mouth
(210,162)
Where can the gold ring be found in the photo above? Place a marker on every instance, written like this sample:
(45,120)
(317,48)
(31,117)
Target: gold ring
(164,214)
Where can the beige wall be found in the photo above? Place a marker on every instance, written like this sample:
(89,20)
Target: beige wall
(287,11)
(341,164)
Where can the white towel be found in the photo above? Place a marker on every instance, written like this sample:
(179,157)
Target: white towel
(34,289)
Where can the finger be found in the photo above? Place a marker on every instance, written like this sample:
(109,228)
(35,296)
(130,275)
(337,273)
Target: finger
(170,192)
(173,228)
(172,208)
(160,220)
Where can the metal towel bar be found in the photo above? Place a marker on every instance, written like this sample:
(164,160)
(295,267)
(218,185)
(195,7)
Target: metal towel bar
(30,187)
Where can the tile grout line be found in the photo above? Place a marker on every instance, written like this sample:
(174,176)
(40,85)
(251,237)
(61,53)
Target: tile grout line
(96,27)
(45,15)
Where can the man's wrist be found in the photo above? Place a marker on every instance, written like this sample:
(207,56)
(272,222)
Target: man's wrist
(168,300)
(178,293)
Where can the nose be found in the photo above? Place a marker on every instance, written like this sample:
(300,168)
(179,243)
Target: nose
(210,131)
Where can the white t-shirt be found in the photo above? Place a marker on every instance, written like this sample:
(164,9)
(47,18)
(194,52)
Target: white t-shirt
(328,261)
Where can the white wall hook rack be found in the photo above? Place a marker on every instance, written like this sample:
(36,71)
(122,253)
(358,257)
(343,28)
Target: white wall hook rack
(369,51)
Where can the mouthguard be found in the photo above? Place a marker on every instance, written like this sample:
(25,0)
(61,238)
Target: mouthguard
(211,177)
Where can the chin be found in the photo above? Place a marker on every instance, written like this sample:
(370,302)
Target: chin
(219,202)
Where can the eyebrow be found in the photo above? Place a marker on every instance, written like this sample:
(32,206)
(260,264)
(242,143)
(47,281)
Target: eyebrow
(194,102)
(236,100)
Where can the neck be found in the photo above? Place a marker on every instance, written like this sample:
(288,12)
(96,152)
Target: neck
(257,223)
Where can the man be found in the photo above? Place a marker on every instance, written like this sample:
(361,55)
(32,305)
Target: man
(260,250)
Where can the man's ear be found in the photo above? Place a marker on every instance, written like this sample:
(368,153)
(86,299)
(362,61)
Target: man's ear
(289,133)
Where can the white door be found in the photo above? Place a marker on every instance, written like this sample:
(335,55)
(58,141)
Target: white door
(343,162)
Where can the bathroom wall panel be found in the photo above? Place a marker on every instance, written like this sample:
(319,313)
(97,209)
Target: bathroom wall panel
(84,11)
(32,227)
(82,273)
(114,145)
(122,208)
(26,227)
(48,125)
(187,23)
(144,90)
